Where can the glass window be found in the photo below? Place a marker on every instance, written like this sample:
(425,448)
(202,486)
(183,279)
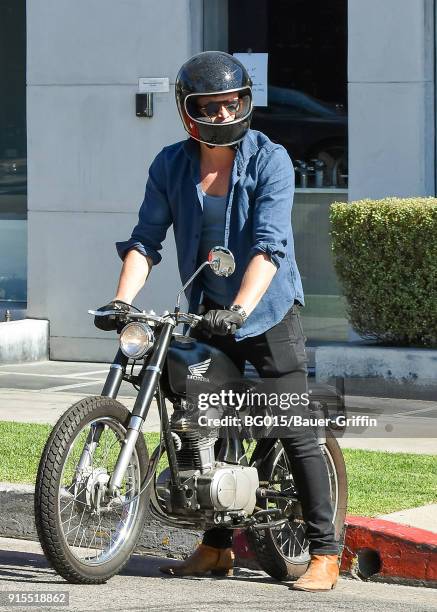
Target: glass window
(307,80)
(324,313)
(13,155)
(306,44)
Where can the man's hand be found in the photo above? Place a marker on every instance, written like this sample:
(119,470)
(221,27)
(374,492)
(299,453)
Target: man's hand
(221,322)
(110,322)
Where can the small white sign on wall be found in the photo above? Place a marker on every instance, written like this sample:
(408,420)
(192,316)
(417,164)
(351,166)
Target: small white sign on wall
(256,66)
(153,85)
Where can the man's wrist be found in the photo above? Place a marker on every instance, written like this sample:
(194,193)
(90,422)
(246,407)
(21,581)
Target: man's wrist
(238,308)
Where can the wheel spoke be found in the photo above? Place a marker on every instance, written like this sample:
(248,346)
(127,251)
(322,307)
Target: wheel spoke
(80,523)
(291,538)
(95,533)
(92,533)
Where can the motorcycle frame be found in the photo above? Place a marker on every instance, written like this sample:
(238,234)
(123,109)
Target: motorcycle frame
(231,449)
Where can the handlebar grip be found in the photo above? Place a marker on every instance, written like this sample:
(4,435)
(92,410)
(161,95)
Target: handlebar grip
(196,320)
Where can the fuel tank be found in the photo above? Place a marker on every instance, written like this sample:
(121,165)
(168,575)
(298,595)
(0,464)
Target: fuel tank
(194,361)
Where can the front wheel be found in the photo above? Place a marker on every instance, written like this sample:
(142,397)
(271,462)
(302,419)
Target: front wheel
(283,552)
(86,534)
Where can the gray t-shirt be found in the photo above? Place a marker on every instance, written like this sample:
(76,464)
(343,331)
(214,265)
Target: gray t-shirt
(213,232)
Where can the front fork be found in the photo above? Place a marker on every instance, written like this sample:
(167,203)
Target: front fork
(149,386)
(110,389)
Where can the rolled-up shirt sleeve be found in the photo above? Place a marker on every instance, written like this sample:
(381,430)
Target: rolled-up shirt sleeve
(272,206)
(154,217)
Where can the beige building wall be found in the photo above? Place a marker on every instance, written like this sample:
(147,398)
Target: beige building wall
(88,153)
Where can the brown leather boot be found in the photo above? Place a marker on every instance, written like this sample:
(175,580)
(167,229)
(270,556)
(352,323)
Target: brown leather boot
(225,563)
(321,575)
(218,561)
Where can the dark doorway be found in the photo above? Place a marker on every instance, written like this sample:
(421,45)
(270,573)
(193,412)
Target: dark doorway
(13,154)
(307,80)
(306,112)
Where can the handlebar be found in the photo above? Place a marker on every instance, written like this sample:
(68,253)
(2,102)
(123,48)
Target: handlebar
(191,319)
(180,317)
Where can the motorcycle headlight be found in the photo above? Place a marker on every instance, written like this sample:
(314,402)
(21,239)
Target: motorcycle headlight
(136,340)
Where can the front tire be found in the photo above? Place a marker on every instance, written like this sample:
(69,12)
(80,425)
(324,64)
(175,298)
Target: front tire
(282,552)
(85,539)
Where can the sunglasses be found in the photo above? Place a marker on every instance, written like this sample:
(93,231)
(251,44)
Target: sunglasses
(212,108)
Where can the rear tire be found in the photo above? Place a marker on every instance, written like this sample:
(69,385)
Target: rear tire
(53,489)
(266,543)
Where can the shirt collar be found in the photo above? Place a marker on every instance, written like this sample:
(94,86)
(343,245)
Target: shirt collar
(245,149)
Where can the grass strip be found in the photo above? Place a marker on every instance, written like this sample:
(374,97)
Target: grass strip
(383,482)
(379,482)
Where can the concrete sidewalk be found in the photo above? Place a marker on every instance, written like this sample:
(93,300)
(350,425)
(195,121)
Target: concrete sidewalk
(47,405)
(40,406)
(40,392)
(423,517)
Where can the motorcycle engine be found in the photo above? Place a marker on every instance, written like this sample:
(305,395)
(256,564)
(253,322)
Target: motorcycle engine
(195,448)
(210,486)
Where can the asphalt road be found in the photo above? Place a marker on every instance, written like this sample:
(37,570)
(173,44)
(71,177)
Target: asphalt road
(23,568)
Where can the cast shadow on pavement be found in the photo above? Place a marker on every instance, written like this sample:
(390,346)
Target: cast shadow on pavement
(26,567)
(32,567)
(148,565)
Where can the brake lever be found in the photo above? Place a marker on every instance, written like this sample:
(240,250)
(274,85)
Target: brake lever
(103,313)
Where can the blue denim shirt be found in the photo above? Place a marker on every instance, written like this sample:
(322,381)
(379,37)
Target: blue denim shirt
(258,220)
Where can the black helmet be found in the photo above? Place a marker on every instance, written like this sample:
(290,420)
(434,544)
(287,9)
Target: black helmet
(209,73)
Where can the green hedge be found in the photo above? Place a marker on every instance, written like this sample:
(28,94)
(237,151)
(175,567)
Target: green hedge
(385,255)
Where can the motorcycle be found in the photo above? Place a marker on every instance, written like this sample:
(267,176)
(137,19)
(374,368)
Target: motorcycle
(96,482)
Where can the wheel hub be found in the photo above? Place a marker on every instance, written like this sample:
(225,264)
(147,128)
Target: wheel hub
(93,488)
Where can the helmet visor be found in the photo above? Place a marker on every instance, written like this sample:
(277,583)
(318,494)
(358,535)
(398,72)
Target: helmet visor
(219,108)
(222,123)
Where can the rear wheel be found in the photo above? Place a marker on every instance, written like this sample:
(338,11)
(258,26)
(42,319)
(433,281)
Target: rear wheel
(86,534)
(283,552)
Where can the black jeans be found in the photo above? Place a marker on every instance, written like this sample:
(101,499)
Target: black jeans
(280,353)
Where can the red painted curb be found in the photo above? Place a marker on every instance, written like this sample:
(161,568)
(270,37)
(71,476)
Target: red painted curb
(411,534)
(405,553)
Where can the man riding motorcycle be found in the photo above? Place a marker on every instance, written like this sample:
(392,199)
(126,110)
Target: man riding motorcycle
(227,184)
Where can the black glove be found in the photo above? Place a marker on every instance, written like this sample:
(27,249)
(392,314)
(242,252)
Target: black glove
(221,322)
(110,322)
